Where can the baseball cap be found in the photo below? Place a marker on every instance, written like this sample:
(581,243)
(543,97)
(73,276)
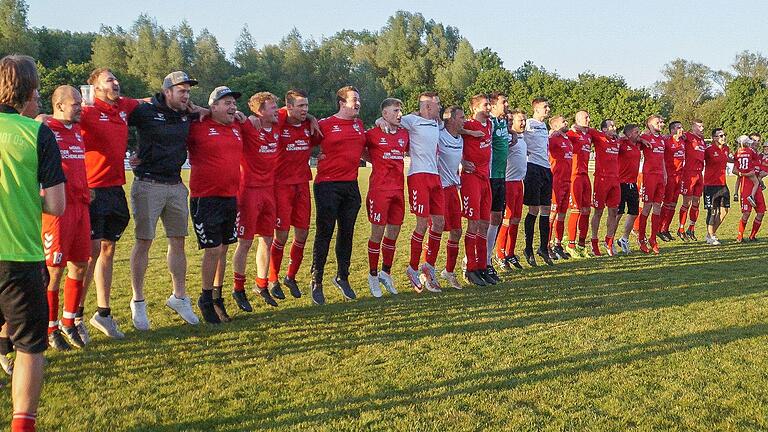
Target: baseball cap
(221,91)
(176,78)
(743,139)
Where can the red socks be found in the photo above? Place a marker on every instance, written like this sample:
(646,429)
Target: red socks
(73,290)
(297,255)
(275,259)
(416,243)
(373,257)
(643,222)
(694,216)
(559,230)
(23,422)
(509,249)
(655,223)
(742,227)
(573,223)
(433,246)
(239,284)
(387,252)
(53,310)
(452,252)
(583,228)
(683,216)
(481,251)
(471,250)
(755,228)
(261,283)
(501,241)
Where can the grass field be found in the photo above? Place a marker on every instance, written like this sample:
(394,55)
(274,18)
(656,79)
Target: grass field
(674,342)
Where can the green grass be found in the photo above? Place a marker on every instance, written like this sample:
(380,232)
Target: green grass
(674,342)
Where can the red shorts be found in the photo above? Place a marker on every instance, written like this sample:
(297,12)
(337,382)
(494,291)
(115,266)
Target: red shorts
(475,197)
(581,192)
(691,184)
(425,194)
(255,212)
(293,206)
(746,189)
(673,187)
(607,193)
(514,200)
(67,237)
(452,212)
(652,189)
(561,195)
(385,207)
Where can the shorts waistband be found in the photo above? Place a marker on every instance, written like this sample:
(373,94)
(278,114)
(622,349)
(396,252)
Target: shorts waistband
(163,182)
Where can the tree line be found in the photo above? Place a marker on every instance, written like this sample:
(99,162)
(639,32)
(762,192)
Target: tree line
(409,55)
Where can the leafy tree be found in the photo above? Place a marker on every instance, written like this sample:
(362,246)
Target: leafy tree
(15,35)
(686,86)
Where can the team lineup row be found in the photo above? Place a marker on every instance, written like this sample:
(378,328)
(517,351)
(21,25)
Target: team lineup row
(250,180)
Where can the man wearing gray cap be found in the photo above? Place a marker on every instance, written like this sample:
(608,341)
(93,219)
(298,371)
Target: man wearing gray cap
(215,148)
(158,193)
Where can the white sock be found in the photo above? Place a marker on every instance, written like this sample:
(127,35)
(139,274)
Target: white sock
(493,231)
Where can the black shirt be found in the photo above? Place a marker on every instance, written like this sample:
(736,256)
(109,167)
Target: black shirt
(162,138)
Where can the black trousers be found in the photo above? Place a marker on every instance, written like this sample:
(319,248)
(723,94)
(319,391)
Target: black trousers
(334,202)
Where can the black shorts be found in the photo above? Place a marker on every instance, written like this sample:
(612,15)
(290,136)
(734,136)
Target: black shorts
(537,186)
(24,305)
(498,194)
(630,198)
(109,213)
(214,220)
(716,197)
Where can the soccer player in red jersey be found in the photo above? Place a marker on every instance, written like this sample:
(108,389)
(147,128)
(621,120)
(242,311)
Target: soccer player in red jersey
(716,194)
(561,159)
(748,163)
(337,195)
(256,198)
(629,167)
(385,203)
(105,133)
(66,238)
(607,190)
(215,147)
(674,160)
(475,187)
(297,131)
(756,138)
(654,180)
(581,188)
(692,182)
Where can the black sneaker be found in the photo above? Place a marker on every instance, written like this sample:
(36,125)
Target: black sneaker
(514,261)
(57,342)
(221,311)
(691,235)
(473,278)
(486,277)
(344,287)
(530,258)
(490,271)
(559,251)
(292,286)
(318,297)
(545,256)
(681,235)
(241,299)
(503,264)
(206,309)
(264,293)
(552,255)
(73,337)
(276,290)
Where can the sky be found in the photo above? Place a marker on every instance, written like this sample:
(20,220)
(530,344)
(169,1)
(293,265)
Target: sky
(633,39)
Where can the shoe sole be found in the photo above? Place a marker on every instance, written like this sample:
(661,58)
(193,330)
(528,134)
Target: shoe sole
(342,291)
(103,329)
(182,317)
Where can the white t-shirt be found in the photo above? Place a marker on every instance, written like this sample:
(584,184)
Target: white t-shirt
(424,135)
(537,138)
(450,151)
(517,161)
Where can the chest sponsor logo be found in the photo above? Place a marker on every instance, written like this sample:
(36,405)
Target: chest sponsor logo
(103,117)
(213,132)
(335,128)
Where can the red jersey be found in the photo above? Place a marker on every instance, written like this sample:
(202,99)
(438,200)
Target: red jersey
(560,158)
(105,132)
(72,151)
(215,151)
(582,147)
(715,161)
(342,145)
(763,162)
(294,148)
(260,155)
(478,150)
(606,154)
(629,161)
(674,156)
(694,153)
(747,161)
(386,152)
(653,156)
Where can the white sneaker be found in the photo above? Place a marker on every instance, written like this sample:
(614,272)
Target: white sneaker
(106,325)
(386,280)
(450,277)
(183,307)
(82,330)
(139,315)
(708,239)
(715,241)
(6,362)
(413,278)
(432,285)
(624,245)
(373,284)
